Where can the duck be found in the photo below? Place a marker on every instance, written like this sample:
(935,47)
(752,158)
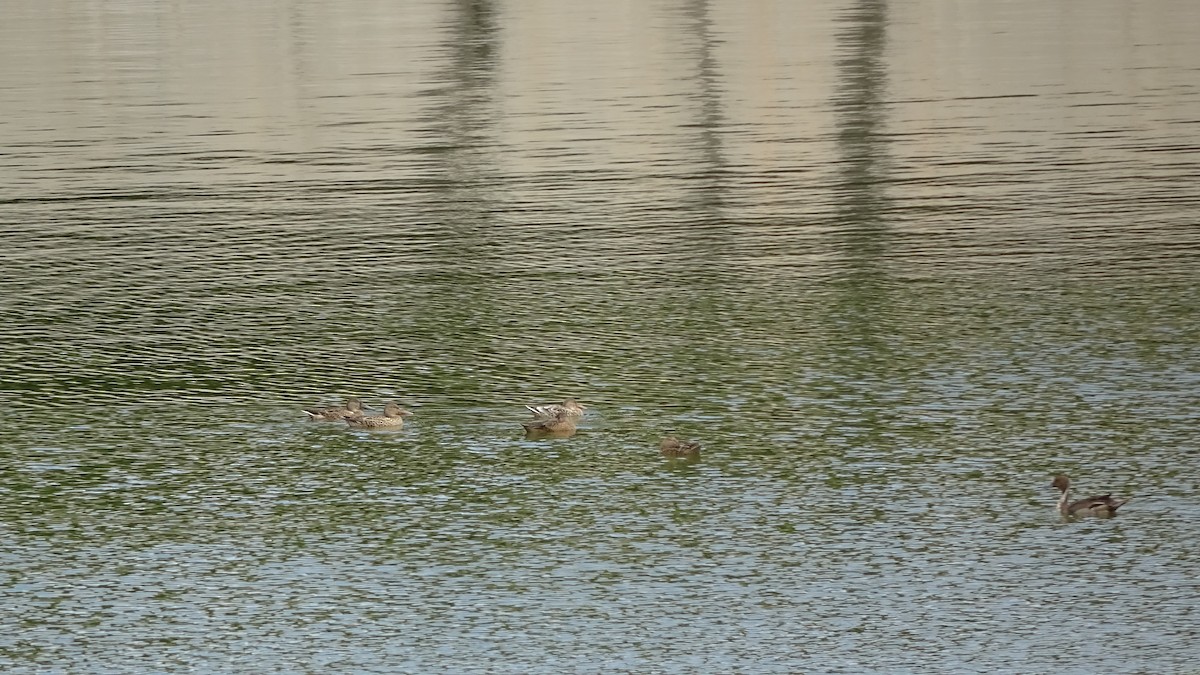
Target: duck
(674,448)
(561,425)
(337,413)
(392,418)
(570,406)
(1101,506)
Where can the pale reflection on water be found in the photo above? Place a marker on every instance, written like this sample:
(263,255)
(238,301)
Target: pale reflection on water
(893,265)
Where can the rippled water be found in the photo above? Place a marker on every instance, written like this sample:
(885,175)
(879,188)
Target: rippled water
(894,265)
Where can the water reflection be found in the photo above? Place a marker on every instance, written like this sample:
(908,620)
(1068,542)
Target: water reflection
(860,108)
(712,168)
(868,375)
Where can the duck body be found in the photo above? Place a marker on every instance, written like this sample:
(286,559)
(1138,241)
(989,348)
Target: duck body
(337,413)
(570,407)
(1099,506)
(560,425)
(392,418)
(674,448)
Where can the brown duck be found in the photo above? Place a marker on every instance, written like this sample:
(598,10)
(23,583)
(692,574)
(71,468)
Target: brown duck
(674,448)
(1102,506)
(337,413)
(561,425)
(570,406)
(392,418)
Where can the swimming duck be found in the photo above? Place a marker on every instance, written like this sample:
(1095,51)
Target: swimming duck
(392,418)
(337,413)
(674,448)
(570,406)
(1102,506)
(561,425)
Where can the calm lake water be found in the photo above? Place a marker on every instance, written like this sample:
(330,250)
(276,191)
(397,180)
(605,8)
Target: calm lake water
(893,264)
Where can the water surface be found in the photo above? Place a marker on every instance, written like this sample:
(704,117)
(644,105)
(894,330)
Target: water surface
(894,265)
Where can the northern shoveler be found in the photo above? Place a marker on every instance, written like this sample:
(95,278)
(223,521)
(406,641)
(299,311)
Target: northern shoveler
(561,425)
(674,448)
(570,406)
(337,413)
(392,418)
